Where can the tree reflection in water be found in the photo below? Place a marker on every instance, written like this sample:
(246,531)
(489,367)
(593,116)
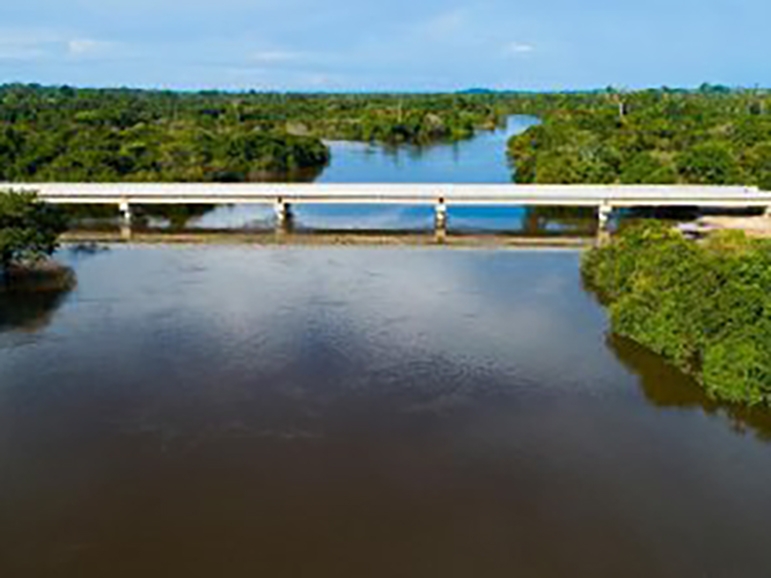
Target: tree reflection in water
(575,220)
(28,304)
(666,386)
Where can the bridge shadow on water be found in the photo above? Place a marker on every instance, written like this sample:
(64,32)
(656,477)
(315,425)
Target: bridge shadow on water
(357,225)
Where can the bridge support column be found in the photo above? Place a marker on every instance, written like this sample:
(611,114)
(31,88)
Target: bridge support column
(125,211)
(283,212)
(440,219)
(767,212)
(126,218)
(604,213)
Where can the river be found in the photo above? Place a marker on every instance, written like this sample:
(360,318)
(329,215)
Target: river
(481,159)
(240,410)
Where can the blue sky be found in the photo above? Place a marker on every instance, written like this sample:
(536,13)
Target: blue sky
(385,45)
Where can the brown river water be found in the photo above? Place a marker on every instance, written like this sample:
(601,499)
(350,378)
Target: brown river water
(359,411)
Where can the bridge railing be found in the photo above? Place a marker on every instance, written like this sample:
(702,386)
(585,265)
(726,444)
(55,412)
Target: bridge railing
(605,198)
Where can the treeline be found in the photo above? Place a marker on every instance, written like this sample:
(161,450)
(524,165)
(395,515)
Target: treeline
(714,135)
(412,119)
(705,307)
(50,134)
(710,136)
(66,134)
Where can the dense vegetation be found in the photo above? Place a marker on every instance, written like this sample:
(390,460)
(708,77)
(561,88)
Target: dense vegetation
(713,135)
(706,307)
(28,229)
(710,136)
(65,134)
(68,135)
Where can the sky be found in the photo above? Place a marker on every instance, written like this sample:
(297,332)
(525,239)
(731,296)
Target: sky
(409,45)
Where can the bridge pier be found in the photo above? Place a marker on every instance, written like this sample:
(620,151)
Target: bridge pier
(125,210)
(602,197)
(767,212)
(126,217)
(283,213)
(604,213)
(440,219)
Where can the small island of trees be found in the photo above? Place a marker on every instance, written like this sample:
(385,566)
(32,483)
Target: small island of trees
(29,234)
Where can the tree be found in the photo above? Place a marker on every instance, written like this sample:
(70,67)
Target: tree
(758,163)
(705,307)
(617,97)
(709,163)
(29,229)
(646,169)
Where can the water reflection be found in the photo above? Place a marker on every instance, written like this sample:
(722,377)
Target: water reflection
(30,305)
(582,220)
(360,221)
(481,159)
(232,410)
(665,386)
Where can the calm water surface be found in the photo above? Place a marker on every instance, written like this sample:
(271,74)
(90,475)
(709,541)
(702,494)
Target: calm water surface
(481,159)
(239,411)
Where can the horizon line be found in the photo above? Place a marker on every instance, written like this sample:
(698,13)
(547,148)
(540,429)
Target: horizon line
(472,90)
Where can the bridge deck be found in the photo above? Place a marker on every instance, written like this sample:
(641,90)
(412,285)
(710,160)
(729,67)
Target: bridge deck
(451,194)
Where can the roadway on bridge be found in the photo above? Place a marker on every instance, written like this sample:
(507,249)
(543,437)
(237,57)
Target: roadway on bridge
(455,194)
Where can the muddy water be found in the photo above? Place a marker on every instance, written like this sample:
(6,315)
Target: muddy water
(295,411)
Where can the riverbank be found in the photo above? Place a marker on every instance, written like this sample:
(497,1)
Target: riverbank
(363,238)
(39,277)
(754,226)
(703,306)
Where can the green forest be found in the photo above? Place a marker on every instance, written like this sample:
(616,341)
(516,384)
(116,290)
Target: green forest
(706,307)
(67,134)
(712,136)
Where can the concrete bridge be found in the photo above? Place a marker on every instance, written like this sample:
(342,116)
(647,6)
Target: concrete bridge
(605,198)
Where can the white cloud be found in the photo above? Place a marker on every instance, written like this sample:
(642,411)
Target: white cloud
(276,56)
(516,48)
(79,46)
(94,49)
(45,44)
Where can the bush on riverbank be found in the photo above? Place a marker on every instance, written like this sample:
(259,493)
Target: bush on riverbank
(29,232)
(706,307)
